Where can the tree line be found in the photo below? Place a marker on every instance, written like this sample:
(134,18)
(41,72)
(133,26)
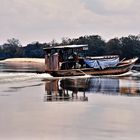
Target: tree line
(125,47)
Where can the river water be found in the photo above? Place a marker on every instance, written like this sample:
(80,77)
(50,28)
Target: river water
(39,107)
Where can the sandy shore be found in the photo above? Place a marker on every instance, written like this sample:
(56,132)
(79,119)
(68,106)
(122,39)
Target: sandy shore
(23,60)
(36,63)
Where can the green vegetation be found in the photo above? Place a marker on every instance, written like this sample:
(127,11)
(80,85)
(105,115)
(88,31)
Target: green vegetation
(125,47)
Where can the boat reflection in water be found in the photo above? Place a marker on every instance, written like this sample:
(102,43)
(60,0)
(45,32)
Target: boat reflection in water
(115,86)
(77,89)
(64,90)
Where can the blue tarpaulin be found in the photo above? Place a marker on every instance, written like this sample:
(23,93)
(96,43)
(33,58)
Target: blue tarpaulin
(102,63)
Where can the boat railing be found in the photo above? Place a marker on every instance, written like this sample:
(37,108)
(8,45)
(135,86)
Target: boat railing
(102,57)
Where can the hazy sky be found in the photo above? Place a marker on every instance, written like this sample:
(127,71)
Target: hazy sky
(45,20)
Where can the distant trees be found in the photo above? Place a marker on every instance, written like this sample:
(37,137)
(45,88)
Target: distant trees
(125,47)
(130,46)
(53,43)
(96,44)
(12,48)
(34,50)
(66,41)
(113,47)
(13,42)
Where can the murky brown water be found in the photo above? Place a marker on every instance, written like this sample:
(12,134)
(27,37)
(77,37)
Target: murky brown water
(38,107)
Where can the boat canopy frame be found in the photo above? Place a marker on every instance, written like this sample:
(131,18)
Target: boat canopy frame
(85,47)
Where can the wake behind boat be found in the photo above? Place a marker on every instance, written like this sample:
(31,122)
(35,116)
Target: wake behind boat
(71,60)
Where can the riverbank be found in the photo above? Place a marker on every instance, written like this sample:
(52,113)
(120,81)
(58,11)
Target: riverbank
(35,63)
(23,60)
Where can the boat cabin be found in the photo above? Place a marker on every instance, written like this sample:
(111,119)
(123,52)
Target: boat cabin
(65,57)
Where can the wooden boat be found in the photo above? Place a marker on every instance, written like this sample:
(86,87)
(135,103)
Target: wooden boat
(57,67)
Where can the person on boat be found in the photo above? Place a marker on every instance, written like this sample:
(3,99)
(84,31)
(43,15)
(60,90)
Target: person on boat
(78,62)
(63,64)
(60,56)
(75,56)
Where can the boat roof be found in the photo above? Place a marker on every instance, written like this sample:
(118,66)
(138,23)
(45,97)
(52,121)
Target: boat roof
(67,47)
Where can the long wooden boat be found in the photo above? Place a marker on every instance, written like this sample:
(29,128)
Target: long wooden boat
(117,70)
(54,69)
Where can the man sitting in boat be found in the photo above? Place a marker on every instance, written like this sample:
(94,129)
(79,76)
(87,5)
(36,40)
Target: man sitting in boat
(72,62)
(75,60)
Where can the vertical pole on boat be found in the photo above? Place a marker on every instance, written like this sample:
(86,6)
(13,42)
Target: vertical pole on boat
(47,66)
